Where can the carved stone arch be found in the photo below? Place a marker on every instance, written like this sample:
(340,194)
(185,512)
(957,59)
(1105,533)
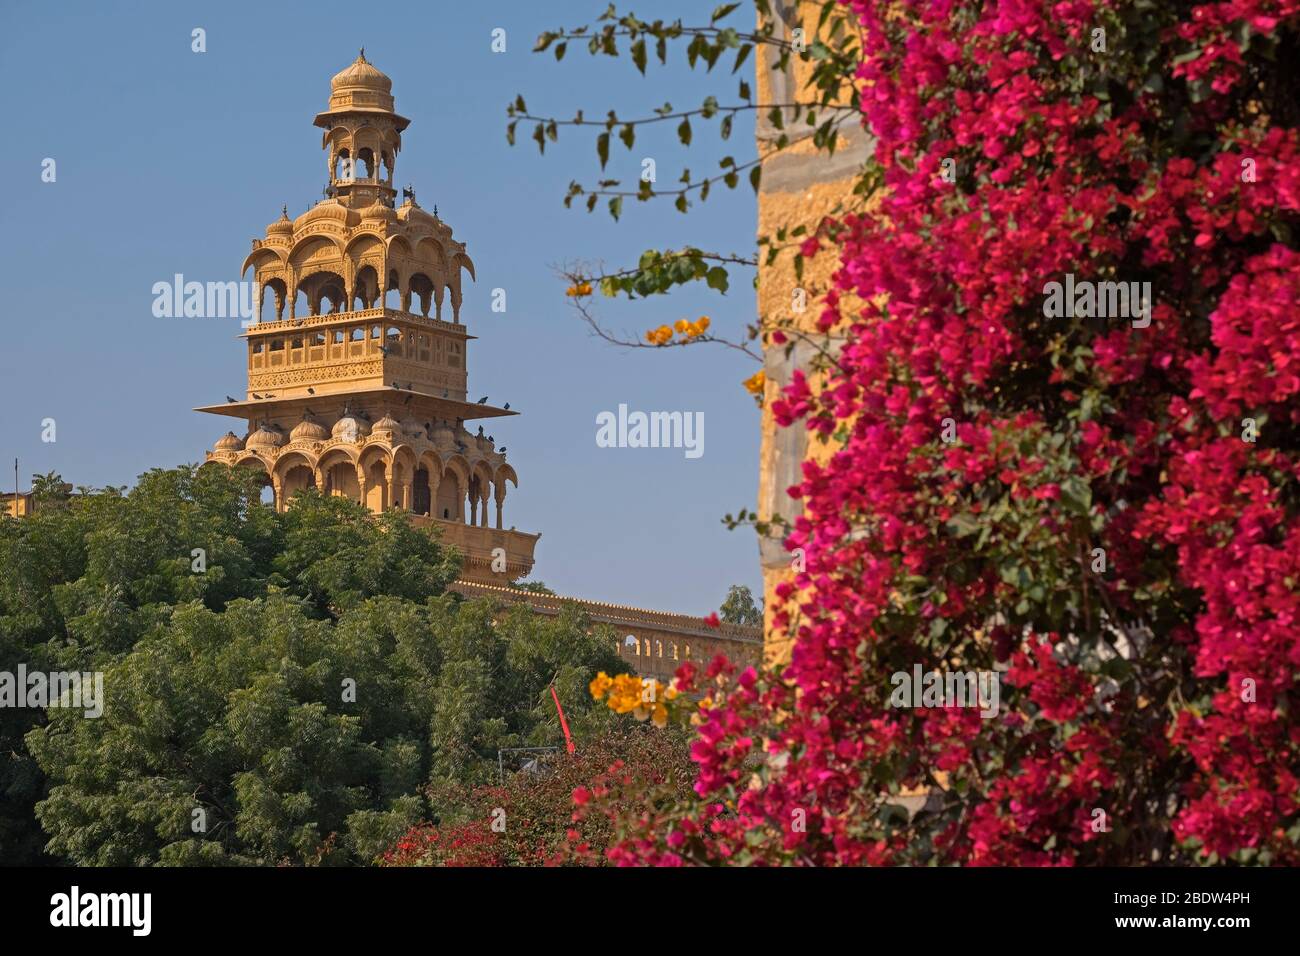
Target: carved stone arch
(419,283)
(453,489)
(251,459)
(314,249)
(294,471)
(375,452)
(265,258)
(292,458)
(367,138)
(459,261)
(505,473)
(403,454)
(336,471)
(431,460)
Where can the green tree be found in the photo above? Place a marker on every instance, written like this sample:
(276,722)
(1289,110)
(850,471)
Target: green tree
(739,607)
(279,687)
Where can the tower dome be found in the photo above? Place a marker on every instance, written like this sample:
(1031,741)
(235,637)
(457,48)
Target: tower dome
(388,424)
(360,87)
(309,430)
(282,226)
(349,428)
(229,442)
(361,74)
(264,437)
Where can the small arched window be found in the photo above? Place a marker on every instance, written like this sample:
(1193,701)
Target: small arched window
(375,331)
(358,335)
(277,345)
(338,337)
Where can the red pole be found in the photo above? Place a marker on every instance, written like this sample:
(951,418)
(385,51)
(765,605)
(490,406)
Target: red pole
(568,741)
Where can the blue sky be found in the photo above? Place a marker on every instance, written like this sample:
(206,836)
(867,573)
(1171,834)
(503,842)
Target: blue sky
(171,161)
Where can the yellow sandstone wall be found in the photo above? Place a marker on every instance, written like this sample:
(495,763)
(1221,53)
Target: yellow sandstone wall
(800,185)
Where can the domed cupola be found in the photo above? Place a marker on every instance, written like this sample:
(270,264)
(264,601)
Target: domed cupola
(443,436)
(309,430)
(229,442)
(413,429)
(378,212)
(282,227)
(264,437)
(350,428)
(387,427)
(360,74)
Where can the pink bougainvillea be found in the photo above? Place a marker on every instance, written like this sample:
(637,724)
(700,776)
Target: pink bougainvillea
(1104,509)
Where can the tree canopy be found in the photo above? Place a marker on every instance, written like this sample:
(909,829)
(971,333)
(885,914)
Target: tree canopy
(279,687)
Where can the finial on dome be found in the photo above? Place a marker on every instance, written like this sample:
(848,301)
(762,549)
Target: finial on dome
(362,55)
(284,211)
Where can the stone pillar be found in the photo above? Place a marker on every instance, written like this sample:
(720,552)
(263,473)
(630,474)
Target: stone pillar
(408,499)
(434,481)
(277,490)
(361,485)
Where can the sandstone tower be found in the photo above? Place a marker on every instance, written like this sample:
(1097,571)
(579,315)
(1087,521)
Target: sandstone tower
(355,388)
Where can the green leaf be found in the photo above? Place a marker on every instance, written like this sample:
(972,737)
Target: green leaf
(717,279)
(616,207)
(1076,495)
(638,55)
(684,132)
(602,148)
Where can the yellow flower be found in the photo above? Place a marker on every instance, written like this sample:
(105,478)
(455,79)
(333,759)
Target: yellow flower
(582,288)
(682,326)
(703,324)
(599,685)
(660,336)
(754,384)
(660,716)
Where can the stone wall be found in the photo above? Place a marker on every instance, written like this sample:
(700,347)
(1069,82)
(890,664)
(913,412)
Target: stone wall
(661,640)
(800,186)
